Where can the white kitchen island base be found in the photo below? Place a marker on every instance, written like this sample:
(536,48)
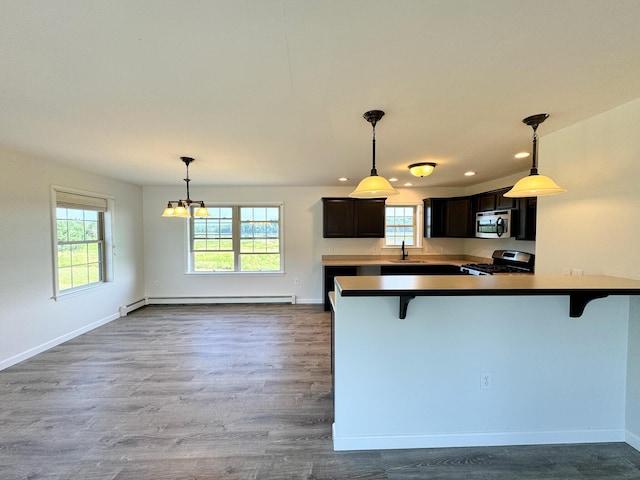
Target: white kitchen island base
(422,381)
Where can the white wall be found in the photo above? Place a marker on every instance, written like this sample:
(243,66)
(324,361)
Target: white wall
(165,242)
(595,226)
(30,320)
(165,255)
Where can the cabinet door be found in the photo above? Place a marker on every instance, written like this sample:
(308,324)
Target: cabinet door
(485,202)
(458,221)
(370,217)
(338,217)
(503,202)
(327,280)
(526,219)
(434,217)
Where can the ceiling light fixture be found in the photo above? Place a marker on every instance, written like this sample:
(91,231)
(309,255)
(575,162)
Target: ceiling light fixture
(534,185)
(470,173)
(181,207)
(422,169)
(521,155)
(373,186)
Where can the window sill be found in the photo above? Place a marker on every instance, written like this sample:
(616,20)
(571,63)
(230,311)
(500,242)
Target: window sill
(80,291)
(260,274)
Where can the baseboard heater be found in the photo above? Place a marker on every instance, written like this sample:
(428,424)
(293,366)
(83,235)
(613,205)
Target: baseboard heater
(125,309)
(221,299)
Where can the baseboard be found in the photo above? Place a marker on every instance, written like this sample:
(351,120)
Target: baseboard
(389,442)
(221,299)
(6,363)
(633,440)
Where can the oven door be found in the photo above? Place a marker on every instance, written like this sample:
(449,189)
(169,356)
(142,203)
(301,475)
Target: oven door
(495,224)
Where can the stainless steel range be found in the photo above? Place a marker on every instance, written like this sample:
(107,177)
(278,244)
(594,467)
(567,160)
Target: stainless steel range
(504,261)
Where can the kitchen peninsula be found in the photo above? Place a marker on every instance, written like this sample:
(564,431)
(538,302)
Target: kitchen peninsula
(487,360)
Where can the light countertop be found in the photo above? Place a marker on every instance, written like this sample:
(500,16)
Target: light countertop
(580,289)
(425,285)
(379,260)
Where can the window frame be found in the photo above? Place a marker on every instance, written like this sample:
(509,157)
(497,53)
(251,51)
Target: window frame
(418,221)
(105,214)
(236,239)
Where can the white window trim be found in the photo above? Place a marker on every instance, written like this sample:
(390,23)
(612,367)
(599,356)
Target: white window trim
(109,245)
(419,226)
(188,270)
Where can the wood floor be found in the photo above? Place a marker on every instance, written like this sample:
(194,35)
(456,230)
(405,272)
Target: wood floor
(225,392)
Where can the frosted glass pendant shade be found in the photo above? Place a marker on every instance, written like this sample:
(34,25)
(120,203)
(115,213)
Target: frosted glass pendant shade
(201,211)
(534,186)
(168,212)
(181,211)
(373,187)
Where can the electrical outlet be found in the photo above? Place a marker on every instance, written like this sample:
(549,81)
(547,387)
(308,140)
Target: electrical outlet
(156,283)
(485,381)
(576,271)
(296,281)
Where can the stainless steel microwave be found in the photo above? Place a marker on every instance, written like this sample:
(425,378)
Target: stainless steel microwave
(494,224)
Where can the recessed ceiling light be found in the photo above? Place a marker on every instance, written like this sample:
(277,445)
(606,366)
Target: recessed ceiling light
(522,155)
(470,173)
(408,184)
(393,179)
(343,179)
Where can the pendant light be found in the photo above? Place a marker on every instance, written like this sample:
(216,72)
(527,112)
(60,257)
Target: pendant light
(181,208)
(535,185)
(374,186)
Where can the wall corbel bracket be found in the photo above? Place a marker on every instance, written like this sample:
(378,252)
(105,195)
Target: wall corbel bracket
(404,303)
(579,300)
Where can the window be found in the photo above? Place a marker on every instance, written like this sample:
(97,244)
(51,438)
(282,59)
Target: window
(402,224)
(80,240)
(237,239)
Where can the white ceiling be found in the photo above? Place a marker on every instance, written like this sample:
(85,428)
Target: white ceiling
(272,92)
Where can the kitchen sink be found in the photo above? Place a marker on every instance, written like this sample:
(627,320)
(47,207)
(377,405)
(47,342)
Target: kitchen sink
(407,261)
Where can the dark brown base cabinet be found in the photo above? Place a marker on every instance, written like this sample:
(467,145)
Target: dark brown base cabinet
(327,279)
(350,217)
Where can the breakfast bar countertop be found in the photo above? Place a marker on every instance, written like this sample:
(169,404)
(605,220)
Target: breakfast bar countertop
(581,289)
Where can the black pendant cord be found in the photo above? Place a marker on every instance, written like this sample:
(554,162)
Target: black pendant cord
(374,172)
(188,201)
(187,161)
(534,164)
(534,121)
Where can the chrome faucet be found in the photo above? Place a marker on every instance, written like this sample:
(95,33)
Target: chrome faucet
(405,254)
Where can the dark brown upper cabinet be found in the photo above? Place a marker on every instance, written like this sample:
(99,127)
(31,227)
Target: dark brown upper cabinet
(345,217)
(526,219)
(493,200)
(448,217)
